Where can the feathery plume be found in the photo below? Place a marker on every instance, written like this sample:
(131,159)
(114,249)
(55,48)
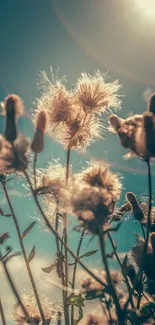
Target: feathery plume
(95,95)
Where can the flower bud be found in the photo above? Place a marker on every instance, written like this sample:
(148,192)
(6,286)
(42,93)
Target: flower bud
(137,211)
(151,103)
(115,121)
(38,140)
(13,103)
(41,121)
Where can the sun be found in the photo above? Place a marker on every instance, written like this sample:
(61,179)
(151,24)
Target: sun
(146,8)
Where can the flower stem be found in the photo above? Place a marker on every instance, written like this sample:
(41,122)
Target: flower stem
(65,240)
(109,280)
(120,264)
(24,255)
(2,313)
(140,272)
(34,169)
(74,272)
(49,226)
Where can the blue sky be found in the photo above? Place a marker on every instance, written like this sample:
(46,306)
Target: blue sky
(74,36)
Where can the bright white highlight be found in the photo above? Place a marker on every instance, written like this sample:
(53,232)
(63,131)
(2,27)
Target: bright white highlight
(145,8)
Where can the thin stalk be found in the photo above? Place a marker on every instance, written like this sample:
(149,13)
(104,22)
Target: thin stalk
(49,226)
(2,313)
(56,229)
(140,272)
(74,273)
(34,169)
(65,240)
(16,294)
(24,255)
(120,264)
(108,275)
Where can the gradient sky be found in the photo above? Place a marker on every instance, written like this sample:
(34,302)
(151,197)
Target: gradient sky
(75,36)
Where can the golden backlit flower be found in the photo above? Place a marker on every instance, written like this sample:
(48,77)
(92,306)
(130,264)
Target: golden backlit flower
(67,121)
(49,308)
(93,194)
(95,95)
(51,185)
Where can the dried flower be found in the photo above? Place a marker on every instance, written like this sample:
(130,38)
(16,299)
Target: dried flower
(29,302)
(95,95)
(13,104)
(12,108)
(14,158)
(37,144)
(149,259)
(137,132)
(93,194)
(131,133)
(137,211)
(67,122)
(4,237)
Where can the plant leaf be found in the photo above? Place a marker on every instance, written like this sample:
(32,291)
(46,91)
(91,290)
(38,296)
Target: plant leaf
(48,269)
(89,253)
(27,229)
(31,255)
(80,316)
(85,255)
(93,294)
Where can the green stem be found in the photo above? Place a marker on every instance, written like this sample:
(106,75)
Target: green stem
(120,264)
(140,272)
(108,275)
(34,169)
(49,226)
(24,255)
(2,313)
(74,272)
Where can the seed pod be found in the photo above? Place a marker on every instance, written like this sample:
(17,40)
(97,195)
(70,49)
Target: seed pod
(137,211)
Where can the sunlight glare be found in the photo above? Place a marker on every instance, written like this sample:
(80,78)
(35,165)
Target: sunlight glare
(146,8)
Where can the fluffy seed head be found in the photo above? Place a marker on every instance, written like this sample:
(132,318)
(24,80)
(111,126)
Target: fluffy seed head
(93,194)
(95,95)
